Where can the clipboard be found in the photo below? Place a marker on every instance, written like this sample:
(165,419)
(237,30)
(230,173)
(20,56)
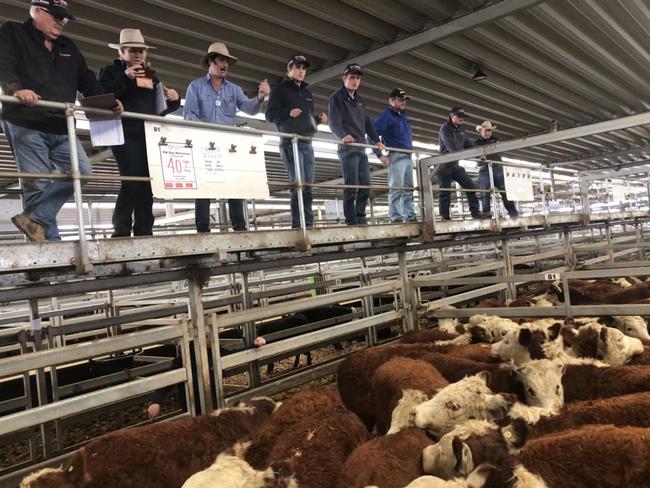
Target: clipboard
(106,102)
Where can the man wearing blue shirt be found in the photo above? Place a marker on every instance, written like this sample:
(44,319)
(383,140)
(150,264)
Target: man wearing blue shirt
(214,99)
(350,123)
(395,129)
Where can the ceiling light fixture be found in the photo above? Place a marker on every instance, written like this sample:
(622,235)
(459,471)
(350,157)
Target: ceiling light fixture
(478,73)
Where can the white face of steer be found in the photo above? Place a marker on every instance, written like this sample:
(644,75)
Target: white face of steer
(476,479)
(632,326)
(526,344)
(616,348)
(469,398)
(543,383)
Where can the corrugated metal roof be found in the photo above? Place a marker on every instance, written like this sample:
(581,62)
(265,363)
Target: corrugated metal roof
(571,61)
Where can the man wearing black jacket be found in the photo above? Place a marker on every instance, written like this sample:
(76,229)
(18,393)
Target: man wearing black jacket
(291,109)
(453,138)
(350,123)
(128,80)
(37,62)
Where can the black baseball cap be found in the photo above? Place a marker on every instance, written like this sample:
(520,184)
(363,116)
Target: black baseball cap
(298,59)
(459,111)
(399,93)
(353,69)
(56,7)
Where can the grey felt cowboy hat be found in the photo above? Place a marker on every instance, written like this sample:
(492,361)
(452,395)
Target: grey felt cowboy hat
(131,38)
(215,49)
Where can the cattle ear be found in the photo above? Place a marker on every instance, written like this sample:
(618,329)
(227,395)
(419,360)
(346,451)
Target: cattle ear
(479,477)
(607,320)
(525,337)
(603,334)
(485,376)
(463,455)
(478,334)
(568,335)
(554,331)
(498,407)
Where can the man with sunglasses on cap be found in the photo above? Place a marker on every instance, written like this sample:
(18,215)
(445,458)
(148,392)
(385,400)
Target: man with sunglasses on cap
(395,129)
(350,123)
(453,138)
(214,99)
(37,62)
(291,109)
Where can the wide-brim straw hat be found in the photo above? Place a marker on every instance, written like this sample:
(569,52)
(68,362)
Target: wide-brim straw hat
(487,125)
(131,38)
(215,49)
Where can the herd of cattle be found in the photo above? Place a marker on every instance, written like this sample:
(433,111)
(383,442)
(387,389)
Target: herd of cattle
(487,403)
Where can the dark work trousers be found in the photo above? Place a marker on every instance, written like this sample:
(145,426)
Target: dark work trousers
(354,165)
(447,173)
(306,161)
(235,211)
(499,183)
(133,208)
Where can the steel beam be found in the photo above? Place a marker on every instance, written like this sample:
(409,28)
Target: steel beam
(467,22)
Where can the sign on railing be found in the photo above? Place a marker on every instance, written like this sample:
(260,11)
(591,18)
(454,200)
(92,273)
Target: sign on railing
(519,184)
(186,162)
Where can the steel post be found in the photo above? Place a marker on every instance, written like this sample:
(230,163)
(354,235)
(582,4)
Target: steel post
(83,264)
(408,297)
(303,243)
(195,305)
(41,384)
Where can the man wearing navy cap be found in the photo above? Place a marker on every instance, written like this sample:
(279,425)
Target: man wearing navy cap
(37,62)
(350,123)
(395,129)
(291,109)
(453,138)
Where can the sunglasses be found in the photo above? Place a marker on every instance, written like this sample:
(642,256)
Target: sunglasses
(58,18)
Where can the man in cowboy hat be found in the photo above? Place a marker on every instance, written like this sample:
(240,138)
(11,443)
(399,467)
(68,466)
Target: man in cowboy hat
(486,130)
(38,62)
(127,78)
(350,123)
(212,98)
(394,127)
(291,109)
(453,138)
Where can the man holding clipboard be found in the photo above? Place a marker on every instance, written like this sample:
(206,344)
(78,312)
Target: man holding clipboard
(133,81)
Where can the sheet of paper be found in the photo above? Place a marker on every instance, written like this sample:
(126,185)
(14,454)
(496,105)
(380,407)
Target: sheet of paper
(161,101)
(213,164)
(178,166)
(519,184)
(106,132)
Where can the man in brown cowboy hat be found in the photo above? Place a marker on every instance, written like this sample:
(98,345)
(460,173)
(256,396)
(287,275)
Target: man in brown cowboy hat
(212,98)
(127,79)
(38,62)
(486,129)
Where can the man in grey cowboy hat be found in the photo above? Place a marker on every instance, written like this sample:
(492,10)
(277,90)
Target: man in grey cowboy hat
(127,78)
(212,98)
(38,62)
(486,130)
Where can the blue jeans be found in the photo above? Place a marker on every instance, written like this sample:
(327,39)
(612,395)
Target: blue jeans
(44,152)
(499,183)
(306,161)
(400,173)
(235,212)
(447,173)
(354,165)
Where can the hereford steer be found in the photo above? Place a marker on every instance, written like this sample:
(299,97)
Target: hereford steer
(162,454)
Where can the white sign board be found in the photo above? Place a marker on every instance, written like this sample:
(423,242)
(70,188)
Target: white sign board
(333,208)
(619,191)
(185,162)
(519,184)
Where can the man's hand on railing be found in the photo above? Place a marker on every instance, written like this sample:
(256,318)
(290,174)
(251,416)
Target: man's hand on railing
(119,108)
(381,146)
(28,97)
(348,139)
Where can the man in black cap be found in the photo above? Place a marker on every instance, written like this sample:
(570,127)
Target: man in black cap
(453,138)
(291,109)
(350,123)
(37,62)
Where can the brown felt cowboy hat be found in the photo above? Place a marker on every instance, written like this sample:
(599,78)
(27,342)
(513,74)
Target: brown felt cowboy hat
(131,38)
(215,49)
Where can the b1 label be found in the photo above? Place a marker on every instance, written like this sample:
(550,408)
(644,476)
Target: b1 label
(551,276)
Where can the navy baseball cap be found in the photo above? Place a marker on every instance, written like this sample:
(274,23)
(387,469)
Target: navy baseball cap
(299,59)
(399,93)
(353,69)
(459,111)
(56,7)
